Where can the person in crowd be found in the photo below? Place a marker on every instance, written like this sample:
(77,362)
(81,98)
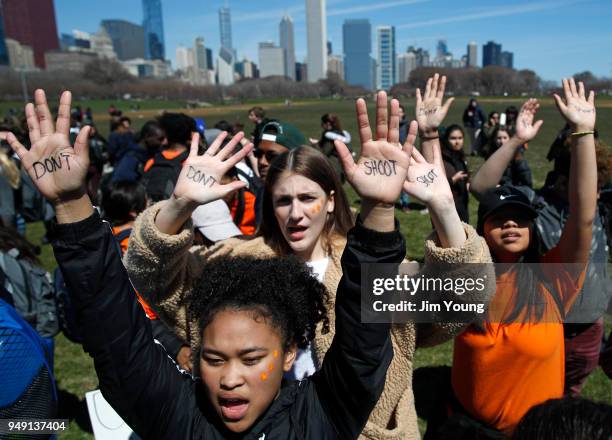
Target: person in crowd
(97,153)
(332,131)
(162,170)
(473,119)
(248,332)
(517,172)
(305,213)
(511,117)
(121,136)
(257,116)
(566,419)
(241,203)
(456,169)
(132,164)
(483,141)
(514,359)
(583,328)
(10,184)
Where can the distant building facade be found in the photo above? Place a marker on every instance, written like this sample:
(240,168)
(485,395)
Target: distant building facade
(128,38)
(153,25)
(357,47)
(316,31)
(385,41)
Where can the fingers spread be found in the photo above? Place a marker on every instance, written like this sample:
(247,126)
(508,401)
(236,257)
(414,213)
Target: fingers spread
(381,116)
(592,98)
(413,129)
(394,122)
(43,113)
(581,90)
(19,149)
(572,84)
(63,114)
(81,144)
(33,124)
(212,149)
(365,132)
(230,147)
(193,148)
(566,88)
(434,86)
(428,88)
(559,103)
(346,158)
(441,87)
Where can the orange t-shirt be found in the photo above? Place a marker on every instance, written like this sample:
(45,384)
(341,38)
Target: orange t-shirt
(168,154)
(499,374)
(247,226)
(124,245)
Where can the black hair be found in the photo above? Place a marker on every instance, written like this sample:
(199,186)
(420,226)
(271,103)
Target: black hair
(281,290)
(149,128)
(10,239)
(223,125)
(566,419)
(122,198)
(178,127)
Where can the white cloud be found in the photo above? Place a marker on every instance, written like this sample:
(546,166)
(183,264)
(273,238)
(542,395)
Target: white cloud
(500,12)
(372,7)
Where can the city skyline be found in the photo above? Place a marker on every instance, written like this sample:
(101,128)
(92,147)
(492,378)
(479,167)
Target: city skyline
(543,43)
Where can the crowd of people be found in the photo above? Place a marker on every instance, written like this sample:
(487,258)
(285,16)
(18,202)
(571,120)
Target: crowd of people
(238,311)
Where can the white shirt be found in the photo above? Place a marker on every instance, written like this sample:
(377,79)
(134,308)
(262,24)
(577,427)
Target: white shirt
(304,364)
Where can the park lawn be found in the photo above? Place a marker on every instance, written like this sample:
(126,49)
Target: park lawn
(74,369)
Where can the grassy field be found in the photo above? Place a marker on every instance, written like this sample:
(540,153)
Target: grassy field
(74,369)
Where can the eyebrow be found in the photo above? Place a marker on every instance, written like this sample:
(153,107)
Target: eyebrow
(240,353)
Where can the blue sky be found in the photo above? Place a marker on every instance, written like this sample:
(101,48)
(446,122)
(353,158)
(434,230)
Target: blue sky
(553,37)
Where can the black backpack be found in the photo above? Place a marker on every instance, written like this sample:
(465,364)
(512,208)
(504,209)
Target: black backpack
(32,292)
(160,179)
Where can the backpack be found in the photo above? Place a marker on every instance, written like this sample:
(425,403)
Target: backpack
(32,292)
(160,179)
(28,388)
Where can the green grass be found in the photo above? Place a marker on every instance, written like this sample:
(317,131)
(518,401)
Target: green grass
(74,369)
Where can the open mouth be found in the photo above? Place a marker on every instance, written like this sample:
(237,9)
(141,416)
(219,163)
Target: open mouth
(296,232)
(233,409)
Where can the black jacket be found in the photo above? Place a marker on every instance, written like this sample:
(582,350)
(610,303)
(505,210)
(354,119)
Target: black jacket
(145,387)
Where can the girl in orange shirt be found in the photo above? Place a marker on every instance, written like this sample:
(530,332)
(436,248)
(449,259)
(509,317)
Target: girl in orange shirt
(515,359)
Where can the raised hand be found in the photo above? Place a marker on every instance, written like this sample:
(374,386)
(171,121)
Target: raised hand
(526,129)
(427,180)
(381,169)
(430,111)
(576,108)
(57,169)
(200,178)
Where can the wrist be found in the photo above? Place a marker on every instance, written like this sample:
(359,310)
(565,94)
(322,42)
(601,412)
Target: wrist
(581,127)
(442,205)
(73,210)
(181,205)
(378,216)
(429,132)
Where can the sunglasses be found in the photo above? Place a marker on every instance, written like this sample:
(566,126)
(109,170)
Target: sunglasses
(270,155)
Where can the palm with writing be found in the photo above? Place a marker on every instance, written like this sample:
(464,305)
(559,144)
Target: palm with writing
(57,169)
(526,129)
(200,178)
(430,111)
(381,168)
(576,108)
(427,180)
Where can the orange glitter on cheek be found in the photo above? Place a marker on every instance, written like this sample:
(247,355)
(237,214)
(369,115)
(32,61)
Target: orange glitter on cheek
(264,376)
(316,209)
(271,367)
(275,354)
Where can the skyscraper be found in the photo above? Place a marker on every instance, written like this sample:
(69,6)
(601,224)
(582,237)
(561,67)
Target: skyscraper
(316,30)
(199,53)
(472,55)
(491,53)
(31,23)
(182,58)
(441,49)
(225,28)
(128,38)
(386,73)
(4,58)
(271,60)
(288,45)
(153,25)
(225,67)
(357,46)
(506,59)
(406,63)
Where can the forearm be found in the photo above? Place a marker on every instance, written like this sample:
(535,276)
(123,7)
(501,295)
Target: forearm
(430,139)
(173,215)
(583,180)
(491,172)
(73,211)
(447,223)
(377,216)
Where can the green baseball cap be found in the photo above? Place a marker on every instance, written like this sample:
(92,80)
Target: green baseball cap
(283,134)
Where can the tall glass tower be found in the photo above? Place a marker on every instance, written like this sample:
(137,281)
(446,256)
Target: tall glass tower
(225,27)
(386,74)
(357,44)
(4,59)
(153,30)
